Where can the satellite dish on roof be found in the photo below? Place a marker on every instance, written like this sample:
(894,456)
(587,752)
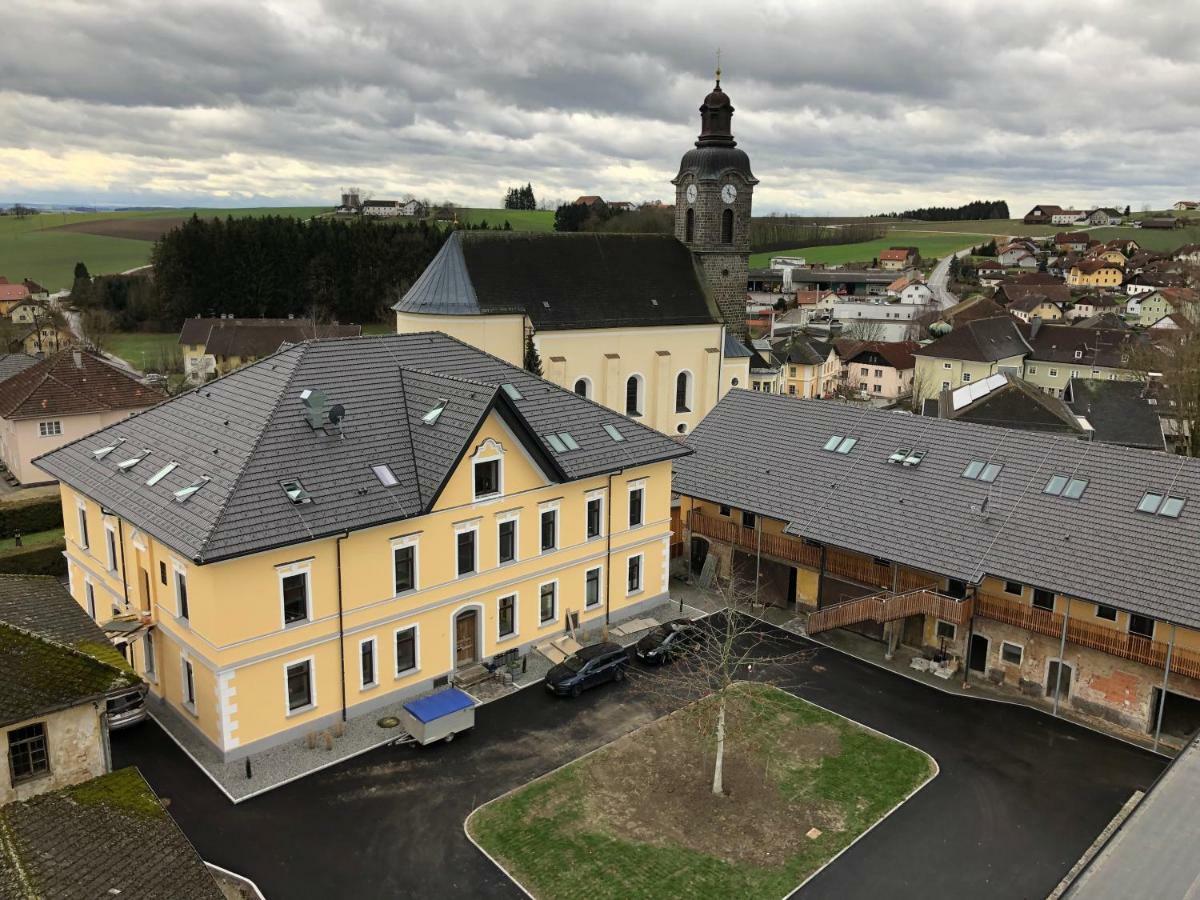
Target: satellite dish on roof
(337,412)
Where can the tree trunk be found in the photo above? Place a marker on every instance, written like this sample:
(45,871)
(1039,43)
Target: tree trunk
(718,765)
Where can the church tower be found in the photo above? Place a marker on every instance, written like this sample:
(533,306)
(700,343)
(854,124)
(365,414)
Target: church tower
(712,207)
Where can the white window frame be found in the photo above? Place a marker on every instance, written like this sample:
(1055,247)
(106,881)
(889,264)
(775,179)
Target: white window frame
(689,393)
(89,596)
(300,568)
(311,662)
(413,541)
(954,628)
(587,386)
(600,593)
(641,585)
(374,682)
(463,528)
(489,451)
(110,547)
(186,666)
(415,627)
(640,411)
(947,365)
(85,540)
(516,599)
(44,429)
(588,498)
(550,506)
(180,573)
(542,623)
(1020,654)
(515,517)
(634,487)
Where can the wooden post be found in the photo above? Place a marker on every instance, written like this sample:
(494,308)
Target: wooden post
(757,555)
(1162,697)
(1062,650)
(821,577)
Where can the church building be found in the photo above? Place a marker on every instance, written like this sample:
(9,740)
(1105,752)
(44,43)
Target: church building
(649,325)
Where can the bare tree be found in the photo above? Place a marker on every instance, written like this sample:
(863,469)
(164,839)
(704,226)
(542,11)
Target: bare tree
(923,388)
(1170,360)
(864,330)
(728,649)
(95,328)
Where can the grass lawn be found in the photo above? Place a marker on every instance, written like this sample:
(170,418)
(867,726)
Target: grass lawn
(929,245)
(142,349)
(37,539)
(990,227)
(1150,238)
(519,219)
(379,328)
(637,819)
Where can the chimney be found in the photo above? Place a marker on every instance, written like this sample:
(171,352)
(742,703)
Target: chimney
(1035,325)
(78,358)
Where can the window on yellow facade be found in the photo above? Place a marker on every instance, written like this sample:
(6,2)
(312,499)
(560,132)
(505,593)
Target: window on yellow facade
(591,588)
(506,537)
(300,686)
(593,517)
(465,549)
(636,501)
(549,529)
(507,616)
(295,597)
(548,602)
(634,582)
(406,650)
(404,562)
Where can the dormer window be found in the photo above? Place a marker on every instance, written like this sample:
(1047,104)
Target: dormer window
(431,417)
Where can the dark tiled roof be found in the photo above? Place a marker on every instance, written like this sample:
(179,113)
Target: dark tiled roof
(981,340)
(1014,404)
(897,354)
(195,331)
(41,605)
(1012,293)
(801,349)
(107,837)
(735,349)
(927,515)
(69,383)
(971,309)
(12,363)
(38,676)
(564,281)
(1118,412)
(1098,346)
(1037,278)
(247,432)
(233,339)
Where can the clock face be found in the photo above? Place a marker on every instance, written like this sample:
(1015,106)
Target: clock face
(729,193)
(691,193)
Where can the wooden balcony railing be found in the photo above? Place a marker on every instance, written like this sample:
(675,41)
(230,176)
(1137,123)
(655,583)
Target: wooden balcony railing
(1086,634)
(887,607)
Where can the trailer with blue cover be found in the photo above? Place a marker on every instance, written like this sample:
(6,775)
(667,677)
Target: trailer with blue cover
(438,717)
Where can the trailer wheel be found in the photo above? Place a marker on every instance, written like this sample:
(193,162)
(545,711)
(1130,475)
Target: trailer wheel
(448,738)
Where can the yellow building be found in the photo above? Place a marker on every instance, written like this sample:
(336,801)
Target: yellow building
(341,525)
(644,324)
(212,347)
(1095,273)
(970,352)
(934,542)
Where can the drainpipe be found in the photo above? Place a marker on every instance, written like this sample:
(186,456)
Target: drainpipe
(608,505)
(757,555)
(821,576)
(967,645)
(124,572)
(1162,697)
(1062,649)
(341,621)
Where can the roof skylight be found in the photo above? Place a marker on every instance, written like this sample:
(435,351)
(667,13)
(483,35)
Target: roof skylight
(846,445)
(900,455)
(431,417)
(990,471)
(914,458)
(568,440)
(1055,485)
(1167,505)
(101,452)
(556,443)
(511,390)
(832,442)
(1065,486)
(295,492)
(1075,488)
(385,475)
(161,474)
(613,433)
(978,470)
(183,494)
(126,464)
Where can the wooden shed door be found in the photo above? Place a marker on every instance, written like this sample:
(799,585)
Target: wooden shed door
(466,651)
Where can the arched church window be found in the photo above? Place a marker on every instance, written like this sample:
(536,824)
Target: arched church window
(727,227)
(690,227)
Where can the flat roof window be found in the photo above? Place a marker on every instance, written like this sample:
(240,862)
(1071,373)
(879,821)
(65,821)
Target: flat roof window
(126,464)
(183,494)
(568,441)
(832,443)
(1055,485)
(1172,507)
(974,467)
(101,452)
(385,475)
(914,458)
(161,474)
(900,455)
(1150,502)
(511,390)
(990,471)
(555,443)
(296,493)
(613,433)
(1075,488)
(846,445)
(431,417)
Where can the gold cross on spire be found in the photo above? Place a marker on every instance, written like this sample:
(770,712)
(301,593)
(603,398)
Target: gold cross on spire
(718,67)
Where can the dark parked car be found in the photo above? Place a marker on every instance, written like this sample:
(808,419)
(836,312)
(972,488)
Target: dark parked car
(589,667)
(667,641)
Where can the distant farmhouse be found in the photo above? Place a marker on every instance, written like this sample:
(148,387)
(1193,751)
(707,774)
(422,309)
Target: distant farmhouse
(218,346)
(391,208)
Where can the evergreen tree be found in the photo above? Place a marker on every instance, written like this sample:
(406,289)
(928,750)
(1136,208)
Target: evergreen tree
(533,362)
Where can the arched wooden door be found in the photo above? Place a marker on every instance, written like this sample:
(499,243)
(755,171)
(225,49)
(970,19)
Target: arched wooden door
(466,638)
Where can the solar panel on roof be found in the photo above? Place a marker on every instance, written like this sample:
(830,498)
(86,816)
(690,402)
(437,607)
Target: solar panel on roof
(960,397)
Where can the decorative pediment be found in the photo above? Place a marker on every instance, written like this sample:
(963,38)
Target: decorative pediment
(487,449)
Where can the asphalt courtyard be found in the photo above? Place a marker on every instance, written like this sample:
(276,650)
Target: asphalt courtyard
(1019,798)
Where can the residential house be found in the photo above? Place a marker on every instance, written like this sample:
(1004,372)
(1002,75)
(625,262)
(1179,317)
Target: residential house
(589,200)
(1010,294)
(415,507)
(217,346)
(1147,282)
(911,290)
(1117,412)
(1033,305)
(1174,322)
(877,370)
(108,837)
(988,271)
(765,369)
(1112,255)
(1071,241)
(1059,353)
(1095,273)
(36,291)
(975,581)
(1103,216)
(57,674)
(1146,308)
(11,295)
(1042,215)
(1090,305)
(1018,254)
(414,208)
(621,206)
(1110,321)
(977,307)
(60,399)
(1189,253)
(971,352)
(896,259)
(381,208)
(1067,217)
(808,367)
(41,337)
(1185,205)
(27,312)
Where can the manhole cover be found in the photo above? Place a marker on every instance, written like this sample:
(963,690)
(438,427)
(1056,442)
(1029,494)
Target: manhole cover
(388,722)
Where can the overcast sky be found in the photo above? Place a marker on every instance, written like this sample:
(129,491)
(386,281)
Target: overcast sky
(844,106)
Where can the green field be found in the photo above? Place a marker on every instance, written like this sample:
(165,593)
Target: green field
(34,247)
(1151,238)
(991,227)
(928,245)
(142,349)
(519,219)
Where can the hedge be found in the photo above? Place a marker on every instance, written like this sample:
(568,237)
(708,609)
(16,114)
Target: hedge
(28,516)
(35,561)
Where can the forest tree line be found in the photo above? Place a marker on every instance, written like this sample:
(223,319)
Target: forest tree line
(976,209)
